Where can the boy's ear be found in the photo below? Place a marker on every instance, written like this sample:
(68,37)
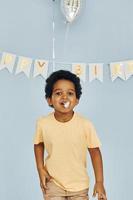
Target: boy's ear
(49,101)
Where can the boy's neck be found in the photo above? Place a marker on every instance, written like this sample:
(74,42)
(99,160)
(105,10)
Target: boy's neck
(63,117)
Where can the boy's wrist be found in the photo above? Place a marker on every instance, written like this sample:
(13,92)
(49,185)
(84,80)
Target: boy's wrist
(40,167)
(99,181)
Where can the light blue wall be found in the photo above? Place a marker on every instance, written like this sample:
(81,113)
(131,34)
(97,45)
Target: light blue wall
(102,33)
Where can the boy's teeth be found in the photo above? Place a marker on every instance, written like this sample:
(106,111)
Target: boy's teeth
(66,105)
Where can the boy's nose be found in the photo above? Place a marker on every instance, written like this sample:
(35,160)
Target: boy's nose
(64,96)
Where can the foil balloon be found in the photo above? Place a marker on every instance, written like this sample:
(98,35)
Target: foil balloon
(71,9)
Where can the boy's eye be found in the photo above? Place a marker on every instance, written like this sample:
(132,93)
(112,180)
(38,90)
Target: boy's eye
(70,93)
(58,93)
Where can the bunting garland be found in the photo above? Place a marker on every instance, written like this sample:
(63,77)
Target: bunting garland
(8,61)
(117,70)
(128,69)
(24,65)
(41,68)
(80,70)
(96,72)
(122,70)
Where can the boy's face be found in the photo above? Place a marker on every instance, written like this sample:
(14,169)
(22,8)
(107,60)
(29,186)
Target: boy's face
(63,94)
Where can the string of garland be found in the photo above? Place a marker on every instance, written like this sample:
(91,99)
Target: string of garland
(18,64)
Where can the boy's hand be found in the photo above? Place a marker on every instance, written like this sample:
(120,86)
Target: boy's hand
(99,189)
(44,177)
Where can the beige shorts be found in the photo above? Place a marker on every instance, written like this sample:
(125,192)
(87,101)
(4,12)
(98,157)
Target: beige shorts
(54,192)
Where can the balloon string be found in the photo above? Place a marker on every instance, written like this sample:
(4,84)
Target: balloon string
(53,40)
(66,37)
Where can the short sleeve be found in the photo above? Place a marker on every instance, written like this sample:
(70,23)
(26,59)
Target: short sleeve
(38,136)
(91,136)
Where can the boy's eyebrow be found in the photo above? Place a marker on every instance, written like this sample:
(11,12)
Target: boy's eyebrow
(61,89)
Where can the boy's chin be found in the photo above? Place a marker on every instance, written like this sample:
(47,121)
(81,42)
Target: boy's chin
(64,110)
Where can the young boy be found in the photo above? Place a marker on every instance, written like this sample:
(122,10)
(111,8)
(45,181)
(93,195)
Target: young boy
(66,136)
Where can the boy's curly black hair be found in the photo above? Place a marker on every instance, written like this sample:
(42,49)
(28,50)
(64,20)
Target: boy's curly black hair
(62,74)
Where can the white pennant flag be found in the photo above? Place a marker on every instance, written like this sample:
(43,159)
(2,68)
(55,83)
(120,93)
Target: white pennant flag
(80,70)
(128,68)
(24,65)
(7,61)
(117,70)
(41,68)
(96,71)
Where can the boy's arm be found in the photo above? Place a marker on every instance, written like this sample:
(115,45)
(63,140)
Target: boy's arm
(97,163)
(39,157)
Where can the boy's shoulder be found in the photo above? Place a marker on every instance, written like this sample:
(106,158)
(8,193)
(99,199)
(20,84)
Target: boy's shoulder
(43,118)
(83,118)
(86,122)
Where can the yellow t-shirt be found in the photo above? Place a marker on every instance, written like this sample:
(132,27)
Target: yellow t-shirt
(66,144)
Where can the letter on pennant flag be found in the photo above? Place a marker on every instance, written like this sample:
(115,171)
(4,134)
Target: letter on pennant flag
(80,70)
(41,68)
(96,71)
(128,69)
(7,61)
(117,70)
(24,65)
